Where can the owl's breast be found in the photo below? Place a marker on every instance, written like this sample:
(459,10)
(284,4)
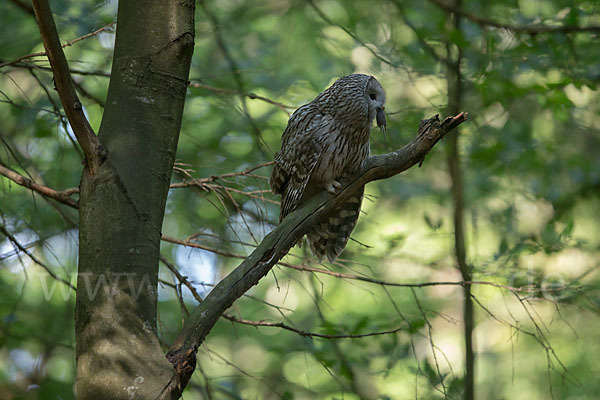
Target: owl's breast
(343,154)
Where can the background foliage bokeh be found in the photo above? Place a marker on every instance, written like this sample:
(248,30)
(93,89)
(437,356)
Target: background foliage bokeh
(529,153)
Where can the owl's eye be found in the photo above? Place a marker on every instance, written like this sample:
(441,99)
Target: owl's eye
(373,96)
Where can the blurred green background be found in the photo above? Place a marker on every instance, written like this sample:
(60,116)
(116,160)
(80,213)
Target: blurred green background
(530,156)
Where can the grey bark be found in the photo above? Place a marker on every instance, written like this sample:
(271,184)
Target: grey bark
(122,204)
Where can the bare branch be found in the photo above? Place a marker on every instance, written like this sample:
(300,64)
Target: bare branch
(309,334)
(25,6)
(213,178)
(62,196)
(22,248)
(252,96)
(69,43)
(343,275)
(351,34)
(276,244)
(235,71)
(184,281)
(64,85)
(32,65)
(56,107)
(529,29)
(454,82)
(426,46)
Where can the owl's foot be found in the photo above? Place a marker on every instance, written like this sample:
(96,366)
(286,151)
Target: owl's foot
(333,186)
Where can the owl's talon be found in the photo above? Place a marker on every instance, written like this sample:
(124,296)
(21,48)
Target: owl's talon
(333,186)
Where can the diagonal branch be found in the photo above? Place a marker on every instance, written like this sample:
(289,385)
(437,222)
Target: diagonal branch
(62,196)
(184,281)
(529,29)
(22,248)
(24,5)
(275,245)
(252,96)
(235,71)
(426,46)
(69,43)
(64,85)
(352,35)
(311,334)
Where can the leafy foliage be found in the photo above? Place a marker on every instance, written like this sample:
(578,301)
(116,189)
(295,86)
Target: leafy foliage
(531,187)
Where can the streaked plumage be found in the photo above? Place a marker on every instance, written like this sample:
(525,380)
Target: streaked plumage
(325,141)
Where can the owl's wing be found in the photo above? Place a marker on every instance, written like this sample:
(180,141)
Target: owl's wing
(301,147)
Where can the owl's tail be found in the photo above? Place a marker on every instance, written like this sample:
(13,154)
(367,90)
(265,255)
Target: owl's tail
(330,236)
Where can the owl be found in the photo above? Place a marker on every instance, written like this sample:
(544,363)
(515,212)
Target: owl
(325,141)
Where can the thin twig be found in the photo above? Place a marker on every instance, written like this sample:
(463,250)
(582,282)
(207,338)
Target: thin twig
(235,71)
(69,43)
(25,6)
(75,71)
(252,96)
(426,46)
(213,178)
(341,275)
(22,248)
(64,85)
(431,344)
(61,196)
(533,30)
(351,34)
(184,281)
(310,334)
(277,243)
(55,105)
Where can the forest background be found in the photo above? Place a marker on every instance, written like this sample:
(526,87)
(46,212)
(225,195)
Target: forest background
(520,180)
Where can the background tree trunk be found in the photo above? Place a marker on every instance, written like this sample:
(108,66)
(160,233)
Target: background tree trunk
(122,206)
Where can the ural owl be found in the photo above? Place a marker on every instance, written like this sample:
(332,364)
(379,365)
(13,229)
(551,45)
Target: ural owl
(325,141)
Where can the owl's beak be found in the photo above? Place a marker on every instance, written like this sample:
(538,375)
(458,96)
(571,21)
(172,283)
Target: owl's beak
(381,122)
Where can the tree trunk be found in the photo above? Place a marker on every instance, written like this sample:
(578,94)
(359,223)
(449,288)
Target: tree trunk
(122,205)
(454,84)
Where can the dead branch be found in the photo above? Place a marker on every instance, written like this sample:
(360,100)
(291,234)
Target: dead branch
(68,43)
(22,248)
(62,196)
(252,96)
(64,85)
(532,30)
(275,245)
(184,281)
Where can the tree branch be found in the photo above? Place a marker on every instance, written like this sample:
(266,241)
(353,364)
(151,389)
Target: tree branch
(253,96)
(454,84)
(235,72)
(22,248)
(275,245)
(375,281)
(69,43)
(426,46)
(19,179)
(352,35)
(184,281)
(309,334)
(64,85)
(530,29)
(23,5)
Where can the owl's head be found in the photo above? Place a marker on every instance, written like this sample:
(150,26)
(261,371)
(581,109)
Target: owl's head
(357,99)
(375,94)
(376,100)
